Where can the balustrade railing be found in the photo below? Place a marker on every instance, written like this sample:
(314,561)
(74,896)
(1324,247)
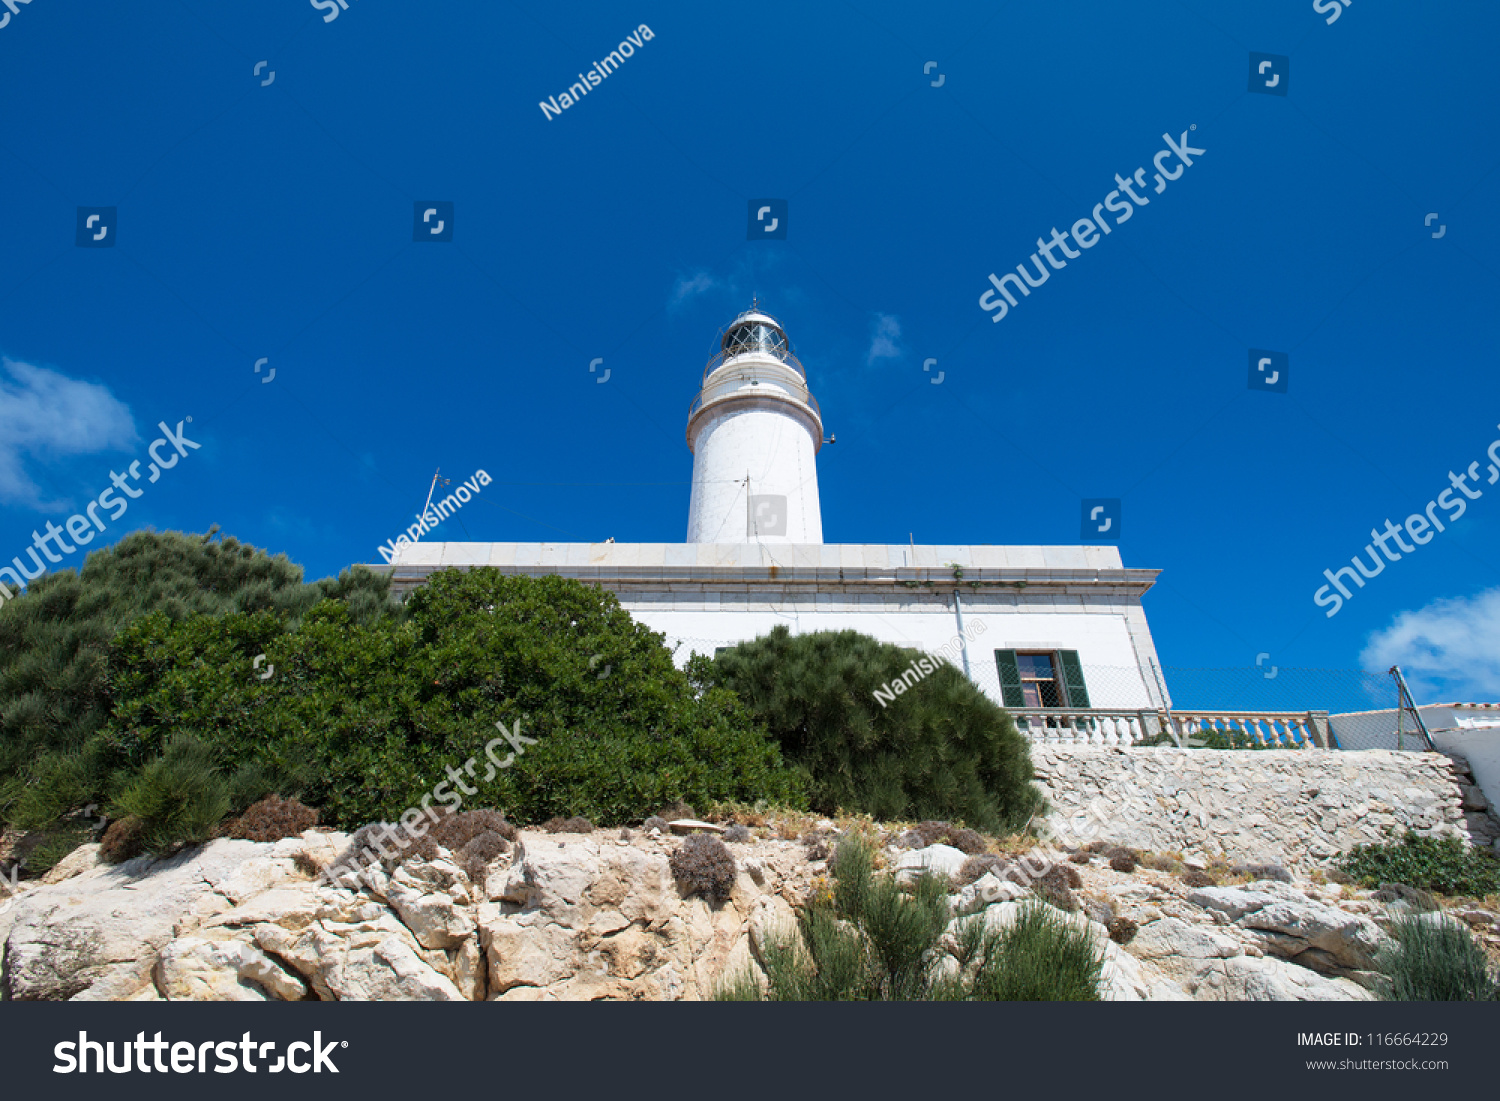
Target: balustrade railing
(1286,729)
(1125,727)
(1090,726)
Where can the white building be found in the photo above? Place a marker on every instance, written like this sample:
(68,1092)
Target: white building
(1054,628)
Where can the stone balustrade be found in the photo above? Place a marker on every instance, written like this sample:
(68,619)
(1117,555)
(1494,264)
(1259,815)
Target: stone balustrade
(1088,726)
(1126,727)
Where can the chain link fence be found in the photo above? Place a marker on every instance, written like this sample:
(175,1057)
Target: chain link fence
(1363,705)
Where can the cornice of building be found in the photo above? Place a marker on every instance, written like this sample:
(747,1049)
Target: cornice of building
(986,572)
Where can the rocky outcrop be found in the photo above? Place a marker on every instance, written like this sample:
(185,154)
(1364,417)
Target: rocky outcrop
(592,916)
(1290,925)
(1250,806)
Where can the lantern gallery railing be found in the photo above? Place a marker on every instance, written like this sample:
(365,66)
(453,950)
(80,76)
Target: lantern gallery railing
(1104,726)
(780,356)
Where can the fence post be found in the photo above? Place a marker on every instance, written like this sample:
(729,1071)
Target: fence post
(1317,725)
(1166,708)
(1403,691)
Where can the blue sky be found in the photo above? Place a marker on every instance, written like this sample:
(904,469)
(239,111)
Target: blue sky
(275,220)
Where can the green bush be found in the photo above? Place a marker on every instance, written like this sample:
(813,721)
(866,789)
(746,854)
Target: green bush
(369,716)
(1431,962)
(1041,957)
(179,797)
(55,642)
(1444,864)
(940,750)
(873,940)
(54,785)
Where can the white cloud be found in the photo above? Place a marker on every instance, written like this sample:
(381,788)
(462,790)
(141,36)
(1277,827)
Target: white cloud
(883,340)
(1449,650)
(44,414)
(686,288)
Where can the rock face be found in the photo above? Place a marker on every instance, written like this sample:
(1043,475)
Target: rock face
(587,917)
(1251,806)
(97,935)
(942,860)
(1247,979)
(1314,934)
(562,916)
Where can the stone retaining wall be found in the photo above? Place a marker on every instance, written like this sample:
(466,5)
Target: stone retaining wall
(1252,806)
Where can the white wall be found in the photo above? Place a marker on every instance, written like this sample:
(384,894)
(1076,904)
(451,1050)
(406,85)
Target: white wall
(1481,746)
(776,451)
(1103,639)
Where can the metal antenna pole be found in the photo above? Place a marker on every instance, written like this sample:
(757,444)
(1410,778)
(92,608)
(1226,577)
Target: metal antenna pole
(430,489)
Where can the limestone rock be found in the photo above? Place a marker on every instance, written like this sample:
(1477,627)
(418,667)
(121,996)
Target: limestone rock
(195,969)
(434,919)
(1341,939)
(1249,979)
(1290,924)
(1179,949)
(80,860)
(942,860)
(391,971)
(984,891)
(105,926)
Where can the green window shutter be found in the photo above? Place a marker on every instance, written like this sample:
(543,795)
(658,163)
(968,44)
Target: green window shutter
(1072,672)
(1010,678)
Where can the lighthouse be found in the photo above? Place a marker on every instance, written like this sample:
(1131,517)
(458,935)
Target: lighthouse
(755,431)
(1068,617)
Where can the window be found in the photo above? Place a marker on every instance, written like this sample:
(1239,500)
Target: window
(1039,687)
(1041,678)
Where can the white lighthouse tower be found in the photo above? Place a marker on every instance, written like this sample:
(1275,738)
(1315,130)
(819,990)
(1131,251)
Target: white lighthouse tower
(755,432)
(755,560)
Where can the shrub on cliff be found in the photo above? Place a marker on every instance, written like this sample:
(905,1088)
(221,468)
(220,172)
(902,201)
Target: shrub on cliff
(1435,962)
(271,819)
(870,939)
(179,797)
(704,864)
(55,641)
(940,749)
(374,716)
(1448,865)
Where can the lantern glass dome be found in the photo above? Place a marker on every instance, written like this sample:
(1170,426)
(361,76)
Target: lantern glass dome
(753,331)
